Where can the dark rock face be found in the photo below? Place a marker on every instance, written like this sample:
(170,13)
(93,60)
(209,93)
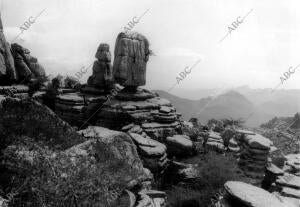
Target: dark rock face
(27,67)
(131,56)
(7,66)
(102,69)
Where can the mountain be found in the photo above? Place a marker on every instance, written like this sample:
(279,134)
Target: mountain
(255,105)
(228,105)
(186,107)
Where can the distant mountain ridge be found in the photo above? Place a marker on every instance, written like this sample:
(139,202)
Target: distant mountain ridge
(256,106)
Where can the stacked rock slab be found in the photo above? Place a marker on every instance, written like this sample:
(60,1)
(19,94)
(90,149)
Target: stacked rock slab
(152,153)
(77,108)
(254,155)
(139,117)
(131,56)
(102,69)
(245,195)
(286,180)
(133,106)
(215,142)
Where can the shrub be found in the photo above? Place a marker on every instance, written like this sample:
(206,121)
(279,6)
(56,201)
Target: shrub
(71,82)
(214,170)
(36,85)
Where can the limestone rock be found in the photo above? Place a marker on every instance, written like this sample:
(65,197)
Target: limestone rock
(102,69)
(120,142)
(250,196)
(26,66)
(179,145)
(8,73)
(293,164)
(131,56)
(289,180)
(258,141)
(153,153)
(254,155)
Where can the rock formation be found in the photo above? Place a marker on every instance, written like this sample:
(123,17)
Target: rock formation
(131,56)
(102,77)
(286,180)
(254,156)
(215,142)
(27,66)
(246,195)
(152,153)
(180,145)
(7,66)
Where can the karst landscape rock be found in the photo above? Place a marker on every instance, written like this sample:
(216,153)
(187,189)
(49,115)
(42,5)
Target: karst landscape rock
(111,142)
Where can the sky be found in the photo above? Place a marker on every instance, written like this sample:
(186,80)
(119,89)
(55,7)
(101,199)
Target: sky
(256,52)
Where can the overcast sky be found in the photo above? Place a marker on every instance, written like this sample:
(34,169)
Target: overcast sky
(66,36)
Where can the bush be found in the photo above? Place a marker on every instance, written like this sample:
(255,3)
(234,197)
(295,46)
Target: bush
(57,179)
(214,170)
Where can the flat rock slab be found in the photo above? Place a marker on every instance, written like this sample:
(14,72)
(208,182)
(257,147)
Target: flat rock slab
(252,196)
(247,132)
(290,192)
(159,125)
(215,135)
(258,141)
(180,141)
(165,109)
(271,168)
(144,141)
(289,180)
(72,97)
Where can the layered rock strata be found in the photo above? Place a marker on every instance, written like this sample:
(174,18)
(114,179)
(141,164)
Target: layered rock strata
(254,155)
(152,153)
(246,195)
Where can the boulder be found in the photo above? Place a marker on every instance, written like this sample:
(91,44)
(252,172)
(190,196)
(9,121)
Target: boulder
(179,145)
(152,153)
(246,195)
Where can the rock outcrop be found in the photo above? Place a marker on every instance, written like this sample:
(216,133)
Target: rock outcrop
(27,66)
(246,195)
(102,77)
(215,142)
(8,72)
(286,180)
(152,153)
(292,164)
(254,155)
